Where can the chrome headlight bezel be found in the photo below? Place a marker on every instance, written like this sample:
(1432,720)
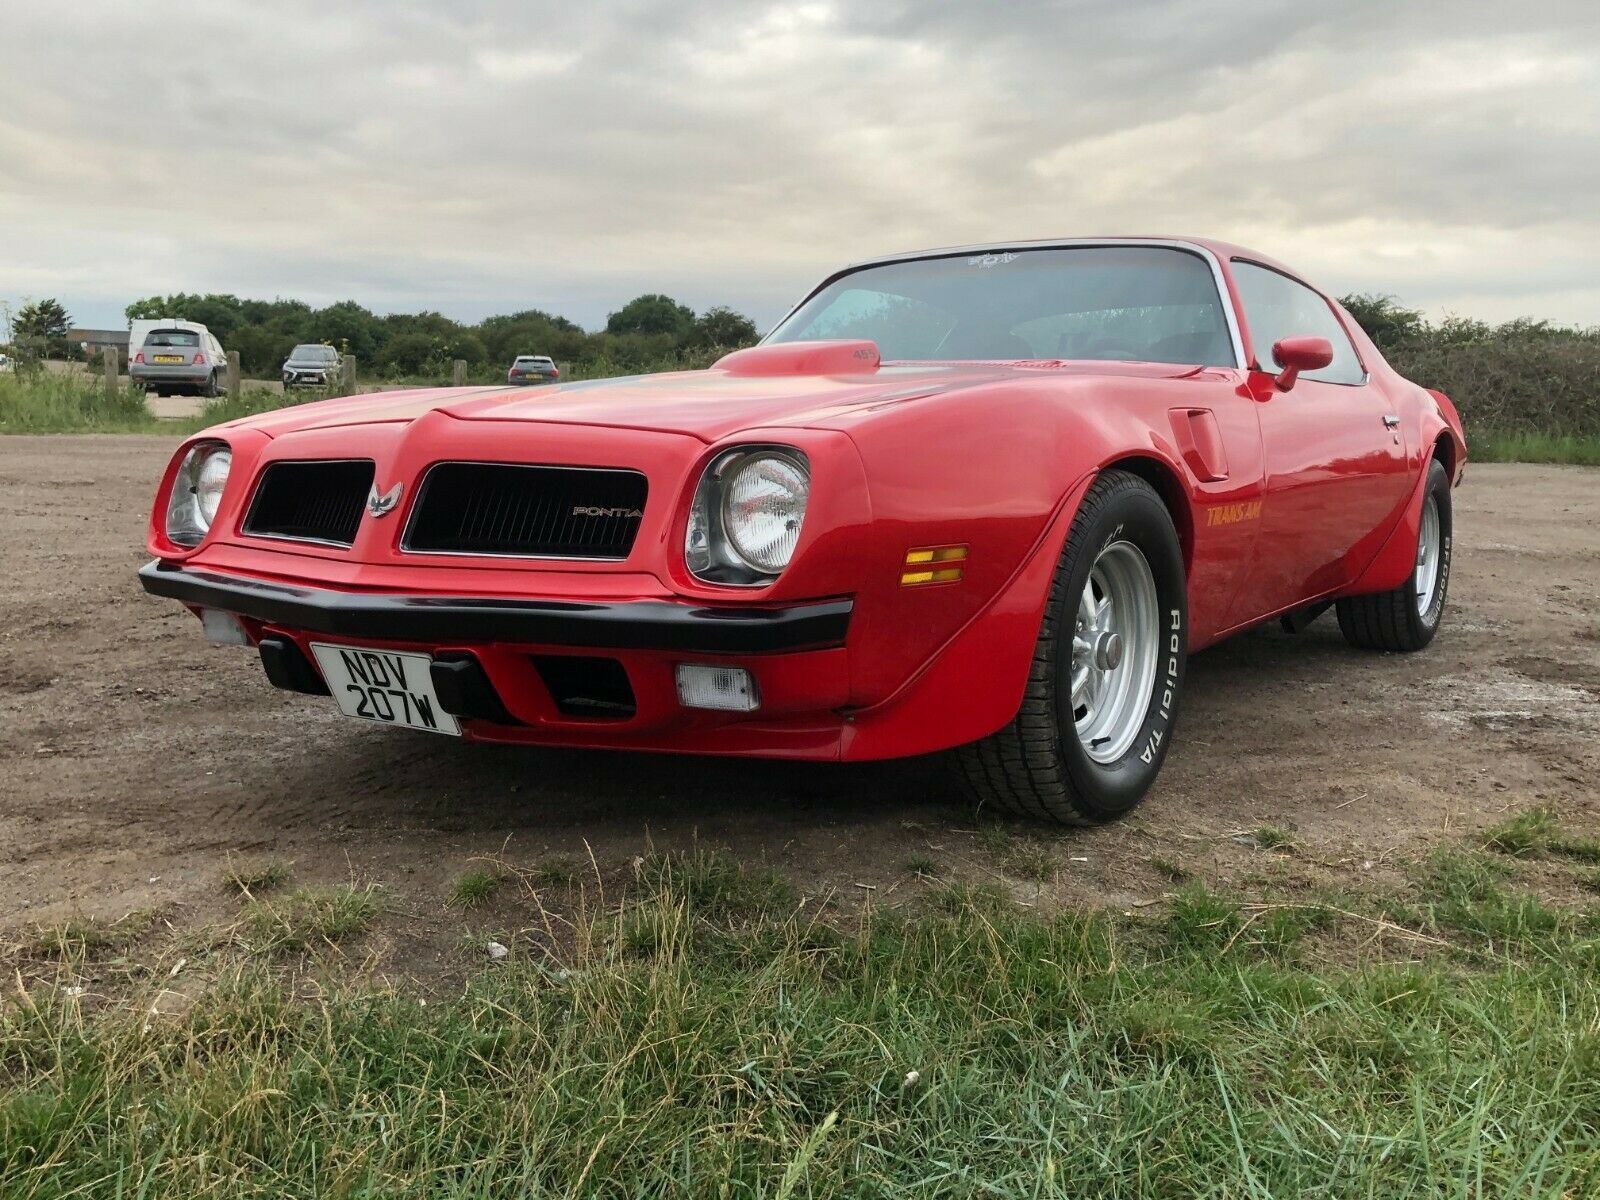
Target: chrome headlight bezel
(711,549)
(197,489)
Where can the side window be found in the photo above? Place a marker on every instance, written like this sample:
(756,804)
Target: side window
(1276,307)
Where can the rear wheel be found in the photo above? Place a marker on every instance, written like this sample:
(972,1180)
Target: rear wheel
(1407,618)
(1102,693)
(211,391)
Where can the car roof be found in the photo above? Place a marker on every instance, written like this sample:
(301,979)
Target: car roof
(1220,249)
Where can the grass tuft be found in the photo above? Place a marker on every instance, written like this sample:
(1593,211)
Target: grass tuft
(554,872)
(86,937)
(1272,837)
(310,916)
(1523,833)
(1536,831)
(252,877)
(476,886)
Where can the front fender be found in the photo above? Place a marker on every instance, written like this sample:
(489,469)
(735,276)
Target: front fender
(973,683)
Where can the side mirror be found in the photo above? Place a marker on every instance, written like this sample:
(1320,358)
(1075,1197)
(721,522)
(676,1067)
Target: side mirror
(1296,354)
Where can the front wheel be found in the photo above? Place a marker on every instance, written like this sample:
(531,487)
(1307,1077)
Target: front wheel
(1407,618)
(1101,700)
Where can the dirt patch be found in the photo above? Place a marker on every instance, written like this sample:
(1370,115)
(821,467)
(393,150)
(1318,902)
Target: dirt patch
(138,762)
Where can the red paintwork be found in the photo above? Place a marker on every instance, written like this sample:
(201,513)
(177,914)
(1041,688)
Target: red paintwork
(1281,498)
(1296,354)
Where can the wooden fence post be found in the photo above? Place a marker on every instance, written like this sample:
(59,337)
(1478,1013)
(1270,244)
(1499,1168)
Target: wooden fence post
(233,374)
(108,359)
(347,374)
(458,373)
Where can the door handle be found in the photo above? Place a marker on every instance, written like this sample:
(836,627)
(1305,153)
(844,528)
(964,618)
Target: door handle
(1390,421)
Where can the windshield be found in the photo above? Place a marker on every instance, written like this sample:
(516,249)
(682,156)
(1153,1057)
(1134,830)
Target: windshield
(1142,303)
(171,337)
(309,353)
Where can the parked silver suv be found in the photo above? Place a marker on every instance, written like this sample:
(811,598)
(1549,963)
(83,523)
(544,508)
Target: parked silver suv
(310,365)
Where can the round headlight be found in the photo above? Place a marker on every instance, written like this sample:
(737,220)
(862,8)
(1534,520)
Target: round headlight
(197,491)
(763,504)
(209,480)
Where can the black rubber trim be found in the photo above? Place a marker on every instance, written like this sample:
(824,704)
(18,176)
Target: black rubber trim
(624,625)
(464,690)
(288,669)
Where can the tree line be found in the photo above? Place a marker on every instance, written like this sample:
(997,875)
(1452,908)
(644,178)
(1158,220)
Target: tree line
(649,329)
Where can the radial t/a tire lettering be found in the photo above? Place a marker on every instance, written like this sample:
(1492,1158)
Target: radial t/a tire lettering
(1102,696)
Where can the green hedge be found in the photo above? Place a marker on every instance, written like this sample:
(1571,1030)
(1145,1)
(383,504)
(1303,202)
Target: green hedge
(1519,379)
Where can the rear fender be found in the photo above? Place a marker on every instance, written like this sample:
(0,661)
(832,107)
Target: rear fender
(1398,557)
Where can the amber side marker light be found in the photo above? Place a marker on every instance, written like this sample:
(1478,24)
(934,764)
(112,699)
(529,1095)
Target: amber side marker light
(933,564)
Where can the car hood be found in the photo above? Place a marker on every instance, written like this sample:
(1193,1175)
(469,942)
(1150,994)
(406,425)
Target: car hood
(710,404)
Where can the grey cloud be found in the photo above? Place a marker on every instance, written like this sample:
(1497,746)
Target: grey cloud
(494,154)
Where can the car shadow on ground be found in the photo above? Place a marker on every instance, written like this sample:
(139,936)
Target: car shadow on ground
(386,778)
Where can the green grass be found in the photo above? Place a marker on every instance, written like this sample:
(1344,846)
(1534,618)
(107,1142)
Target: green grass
(747,1049)
(309,917)
(1272,837)
(1169,869)
(45,402)
(554,872)
(1036,861)
(476,886)
(88,937)
(259,876)
(1536,831)
(1533,447)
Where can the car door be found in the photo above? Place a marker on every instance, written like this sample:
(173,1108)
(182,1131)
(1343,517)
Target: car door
(1333,453)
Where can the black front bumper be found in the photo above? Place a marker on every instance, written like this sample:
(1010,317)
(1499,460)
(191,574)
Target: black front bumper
(622,625)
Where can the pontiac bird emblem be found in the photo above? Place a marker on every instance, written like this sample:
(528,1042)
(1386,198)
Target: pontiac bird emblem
(378,505)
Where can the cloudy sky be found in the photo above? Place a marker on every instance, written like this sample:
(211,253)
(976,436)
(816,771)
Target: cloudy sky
(478,156)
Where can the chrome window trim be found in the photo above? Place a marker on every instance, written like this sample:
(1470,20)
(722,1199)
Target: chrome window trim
(422,490)
(1224,297)
(1366,375)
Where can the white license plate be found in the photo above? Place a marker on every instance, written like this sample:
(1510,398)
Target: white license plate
(385,686)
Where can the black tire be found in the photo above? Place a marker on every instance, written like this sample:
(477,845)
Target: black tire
(211,391)
(1037,766)
(1393,620)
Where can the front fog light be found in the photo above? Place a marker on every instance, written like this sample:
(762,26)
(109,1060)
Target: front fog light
(730,689)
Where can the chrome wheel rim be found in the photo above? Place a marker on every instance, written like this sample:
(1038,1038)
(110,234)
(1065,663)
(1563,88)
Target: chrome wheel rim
(1430,552)
(1116,644)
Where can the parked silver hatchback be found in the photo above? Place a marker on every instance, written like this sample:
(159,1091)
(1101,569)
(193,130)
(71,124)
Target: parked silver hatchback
(178,357)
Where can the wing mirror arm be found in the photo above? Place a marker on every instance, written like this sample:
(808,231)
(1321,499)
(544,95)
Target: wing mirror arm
(1296,354)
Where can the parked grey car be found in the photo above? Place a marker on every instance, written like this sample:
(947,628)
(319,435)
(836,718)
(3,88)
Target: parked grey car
(532,369)
(178,357)
(310,365)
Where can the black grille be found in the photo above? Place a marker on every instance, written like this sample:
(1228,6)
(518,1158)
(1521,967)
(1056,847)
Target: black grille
(586,687)
(310,501)
(499,508)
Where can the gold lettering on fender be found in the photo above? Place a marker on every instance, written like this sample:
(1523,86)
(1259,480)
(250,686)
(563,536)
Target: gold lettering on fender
(1228,514)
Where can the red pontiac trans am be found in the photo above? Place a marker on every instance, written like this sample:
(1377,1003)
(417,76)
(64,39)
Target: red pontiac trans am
(987,498)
